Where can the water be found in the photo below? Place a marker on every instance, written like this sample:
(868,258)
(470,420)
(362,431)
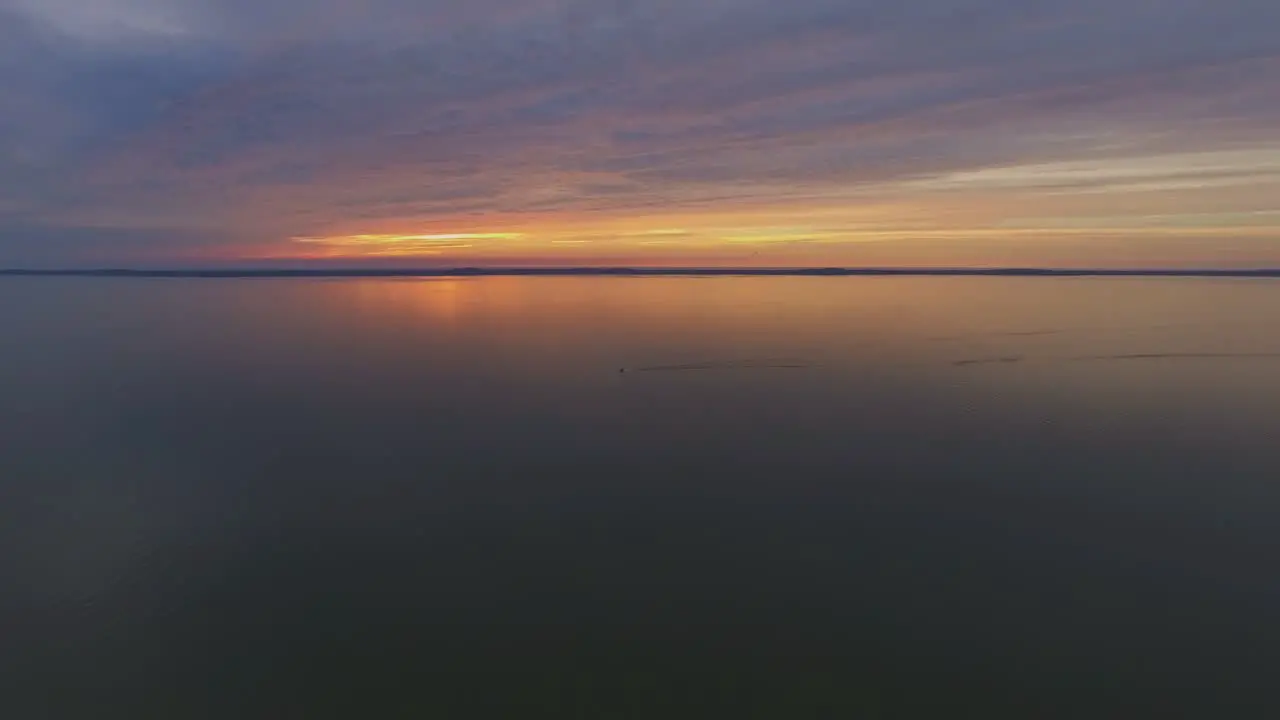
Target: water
(639,497)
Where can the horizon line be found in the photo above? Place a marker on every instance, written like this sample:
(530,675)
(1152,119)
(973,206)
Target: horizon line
(260,272)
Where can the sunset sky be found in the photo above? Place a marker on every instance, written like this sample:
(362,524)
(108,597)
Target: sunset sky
(1092,133)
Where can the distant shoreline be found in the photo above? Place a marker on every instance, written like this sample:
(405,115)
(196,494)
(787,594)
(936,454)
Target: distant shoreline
(632,272)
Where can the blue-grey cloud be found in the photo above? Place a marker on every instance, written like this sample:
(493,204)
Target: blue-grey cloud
(283,116)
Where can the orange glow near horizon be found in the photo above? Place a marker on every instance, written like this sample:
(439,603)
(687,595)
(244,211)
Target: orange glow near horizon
(820,239)
(400,245)
(969,220)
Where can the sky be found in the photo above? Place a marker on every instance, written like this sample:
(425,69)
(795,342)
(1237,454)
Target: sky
(1092,133)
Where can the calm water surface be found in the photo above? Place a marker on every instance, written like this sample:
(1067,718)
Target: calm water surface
(639,498)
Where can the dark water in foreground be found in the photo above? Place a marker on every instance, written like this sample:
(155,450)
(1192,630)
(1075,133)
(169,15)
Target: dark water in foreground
(806,498)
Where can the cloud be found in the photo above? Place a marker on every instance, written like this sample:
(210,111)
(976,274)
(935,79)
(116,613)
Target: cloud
(280,118)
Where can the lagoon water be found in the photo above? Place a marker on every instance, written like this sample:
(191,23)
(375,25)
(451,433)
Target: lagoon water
(648,497)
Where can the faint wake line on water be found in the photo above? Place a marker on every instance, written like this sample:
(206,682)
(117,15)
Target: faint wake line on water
(1009,359)
(1176,356)
(784,364)
(794,364)
(990,361)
